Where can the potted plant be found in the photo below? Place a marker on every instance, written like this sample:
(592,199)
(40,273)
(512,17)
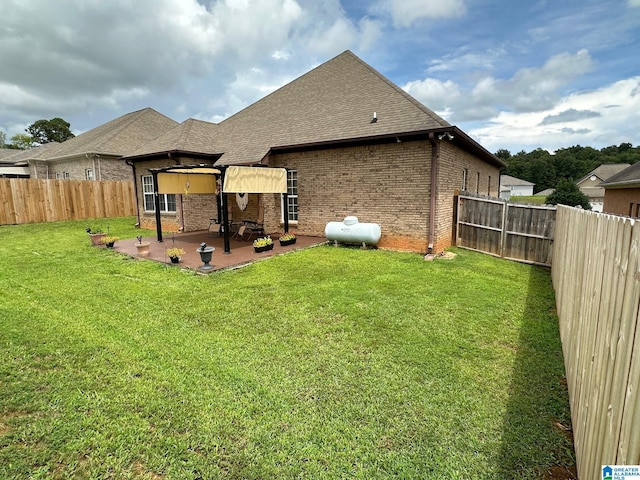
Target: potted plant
(174,254)
(109,240)
(96,235)
(288,238)
(262,244)
(143,247)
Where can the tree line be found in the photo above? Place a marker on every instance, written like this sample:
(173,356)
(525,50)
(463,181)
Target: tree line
(38,133)
(548,170)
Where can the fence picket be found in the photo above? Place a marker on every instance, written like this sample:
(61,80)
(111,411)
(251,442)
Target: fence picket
(38,200)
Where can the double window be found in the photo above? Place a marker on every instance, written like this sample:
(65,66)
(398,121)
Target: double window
(167,200)
(292,196)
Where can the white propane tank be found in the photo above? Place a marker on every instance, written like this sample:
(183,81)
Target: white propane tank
(352,231)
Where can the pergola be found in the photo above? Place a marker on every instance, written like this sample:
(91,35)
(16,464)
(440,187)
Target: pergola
(219,180)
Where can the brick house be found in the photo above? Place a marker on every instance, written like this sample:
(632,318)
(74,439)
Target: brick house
(591,186)
(97,154)
(353,143)
(622,192)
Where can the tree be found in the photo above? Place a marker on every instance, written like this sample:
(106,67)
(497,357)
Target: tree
(568,193)
(54,130)
(22,141)
(3,139)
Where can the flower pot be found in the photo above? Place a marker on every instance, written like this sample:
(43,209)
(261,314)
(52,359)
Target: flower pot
(96,238)
(143,248)
(284,243)
(263,248)
(176,259)
(110,244)
(205,255)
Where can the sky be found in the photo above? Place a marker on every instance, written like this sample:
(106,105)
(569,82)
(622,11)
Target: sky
(515,75)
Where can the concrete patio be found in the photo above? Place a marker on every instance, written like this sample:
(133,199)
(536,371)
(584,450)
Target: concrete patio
(242,252)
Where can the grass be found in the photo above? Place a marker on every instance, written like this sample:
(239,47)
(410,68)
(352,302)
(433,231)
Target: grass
(531,199)
(325,363)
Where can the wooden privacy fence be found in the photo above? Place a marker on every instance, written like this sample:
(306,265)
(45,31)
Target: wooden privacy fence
(26,200)
(509,230)
(596,276)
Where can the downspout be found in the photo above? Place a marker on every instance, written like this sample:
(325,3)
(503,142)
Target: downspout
(434,190)
(135,192)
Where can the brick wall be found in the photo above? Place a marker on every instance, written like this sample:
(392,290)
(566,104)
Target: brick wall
(104,168)
(386,184)
(618,201)
(452,161)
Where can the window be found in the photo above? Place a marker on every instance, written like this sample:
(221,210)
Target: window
(167,200)
(478,182)
(464,179)
(292,196)
(67,175)
(89,173)
(489,186)
(58,176)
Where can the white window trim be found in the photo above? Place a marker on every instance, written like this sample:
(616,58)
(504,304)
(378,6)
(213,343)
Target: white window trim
(164,203)
(290,195)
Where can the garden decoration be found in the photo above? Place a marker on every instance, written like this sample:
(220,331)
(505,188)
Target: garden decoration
(205,255)
(109,240)
(143,247)
(288,238)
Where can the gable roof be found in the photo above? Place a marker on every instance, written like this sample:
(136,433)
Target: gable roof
(514,182)
(191,136)
(334,103)
(605,171)
(118,137)
(22,157)
(629,177)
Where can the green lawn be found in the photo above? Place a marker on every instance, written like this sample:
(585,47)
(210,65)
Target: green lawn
(325,363)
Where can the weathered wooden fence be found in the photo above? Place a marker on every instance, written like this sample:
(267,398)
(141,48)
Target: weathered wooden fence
(596,277)
(25,200)
(509,230)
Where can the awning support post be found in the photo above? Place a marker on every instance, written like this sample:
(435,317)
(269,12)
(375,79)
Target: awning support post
(156,202)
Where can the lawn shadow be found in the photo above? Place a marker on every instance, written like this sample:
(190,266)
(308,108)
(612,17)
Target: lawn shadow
(538,418)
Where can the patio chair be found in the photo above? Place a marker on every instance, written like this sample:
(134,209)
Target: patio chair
(242,232)
(215,228)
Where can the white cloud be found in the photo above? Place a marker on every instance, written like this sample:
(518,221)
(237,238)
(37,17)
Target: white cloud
(616,113)
(634,3)
(528,90)
(406,12)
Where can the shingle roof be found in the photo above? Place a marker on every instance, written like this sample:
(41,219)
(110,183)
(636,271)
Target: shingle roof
(41,152)
(629,177)
(118,137)
(513,181)
(605,171)
(335,101)
(192,135)
(332,103)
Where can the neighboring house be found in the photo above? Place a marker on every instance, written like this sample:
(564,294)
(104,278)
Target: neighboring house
(23,158)
(97,154)
(622,192)
(10,167)
(514,187)
(353,143)
(590,184)
(545,193)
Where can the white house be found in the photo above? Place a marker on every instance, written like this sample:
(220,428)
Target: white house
(514,187)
